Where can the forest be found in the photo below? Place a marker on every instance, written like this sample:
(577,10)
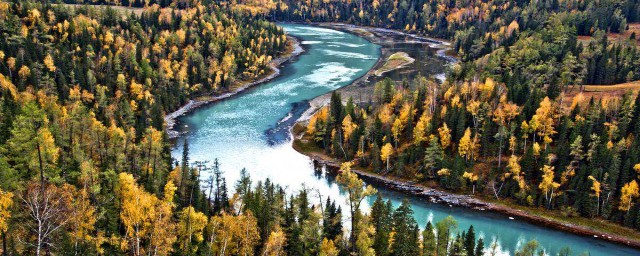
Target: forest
(506,123)
(85,163)
(85,167)
(580,157)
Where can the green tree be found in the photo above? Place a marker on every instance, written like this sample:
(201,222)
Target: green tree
(32,146)
(529,249)
(444,229)
(406,239)
(479,251)
(429,240)
(356,193)
(382,221)
(470,241)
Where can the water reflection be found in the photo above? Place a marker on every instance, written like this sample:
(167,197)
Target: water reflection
(233,131)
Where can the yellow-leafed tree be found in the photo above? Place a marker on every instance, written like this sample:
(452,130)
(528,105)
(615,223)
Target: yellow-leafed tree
(629,192)
(445,136)
(190,229)
(385,153)
(6,201)
(596,187)
(233,235)
(275,244)
(547,185)
(356,193)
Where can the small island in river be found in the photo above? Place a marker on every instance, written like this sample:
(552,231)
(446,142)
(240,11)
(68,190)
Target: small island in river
(361,92)
(287,127)
(397,60)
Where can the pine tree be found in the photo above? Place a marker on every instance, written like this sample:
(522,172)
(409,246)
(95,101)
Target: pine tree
(428,240)
(293,230)
(332,220)
(433,156)
(470,241)
(184,170)
(479,251)
(336,113)
(381,220)
(405,240)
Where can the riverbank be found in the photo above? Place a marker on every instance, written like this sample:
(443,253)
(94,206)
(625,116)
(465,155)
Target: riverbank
(294,49)
(361,90)
(391,42)
(598,229)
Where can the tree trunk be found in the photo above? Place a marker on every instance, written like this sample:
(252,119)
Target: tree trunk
(41,167)
(497,192)
(39,243)
(4,244)
(500,151)
(354,233)
(598,207)
(387,164)
(340,143)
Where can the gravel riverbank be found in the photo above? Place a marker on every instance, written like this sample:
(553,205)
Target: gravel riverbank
(362,88)
(459,200)
(170,119)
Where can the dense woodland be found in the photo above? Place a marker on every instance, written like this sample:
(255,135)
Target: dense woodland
(85,166)
(449,19)
(528,42)
(84,161)
(580,157)
(506,123)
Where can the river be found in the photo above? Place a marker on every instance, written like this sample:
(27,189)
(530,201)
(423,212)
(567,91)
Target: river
(251,131)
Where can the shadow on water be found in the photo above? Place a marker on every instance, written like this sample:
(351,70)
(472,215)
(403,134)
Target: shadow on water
(249,131)
(279,133)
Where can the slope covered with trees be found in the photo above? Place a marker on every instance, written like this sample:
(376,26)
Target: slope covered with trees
(85,167)
(524,41)
(84,160)
(449,19)
(484,137)
(502,124)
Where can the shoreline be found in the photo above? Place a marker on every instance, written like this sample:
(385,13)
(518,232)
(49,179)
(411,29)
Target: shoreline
(383,38)
(433,195)
(171,119)
(438,196)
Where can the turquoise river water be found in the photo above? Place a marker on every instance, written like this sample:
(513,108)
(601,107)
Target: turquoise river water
(251,131)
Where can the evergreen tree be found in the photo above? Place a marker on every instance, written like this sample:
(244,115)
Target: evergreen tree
(470,241)
(382,221)
(332,220)
(479,251)
(405,240)
(428,240)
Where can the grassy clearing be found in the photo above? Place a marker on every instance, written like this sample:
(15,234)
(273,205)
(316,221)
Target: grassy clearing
(395,61)
(362,32)
(618,37)
(599,92)
(630,86)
